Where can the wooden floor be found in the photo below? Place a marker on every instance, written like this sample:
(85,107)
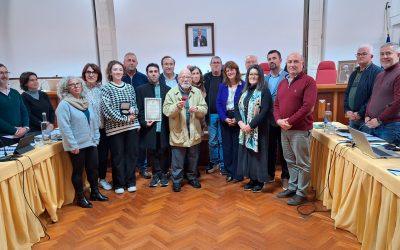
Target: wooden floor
(217,216)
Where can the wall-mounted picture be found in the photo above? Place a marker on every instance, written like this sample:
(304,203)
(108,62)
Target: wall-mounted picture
(199,39)
(345,68)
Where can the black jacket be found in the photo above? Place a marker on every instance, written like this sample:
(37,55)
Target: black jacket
(148,139)
(364,89)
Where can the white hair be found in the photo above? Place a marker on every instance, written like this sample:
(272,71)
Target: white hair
(367,46)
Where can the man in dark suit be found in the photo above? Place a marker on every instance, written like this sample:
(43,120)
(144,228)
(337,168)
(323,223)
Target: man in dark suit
(154,134)
(200,40)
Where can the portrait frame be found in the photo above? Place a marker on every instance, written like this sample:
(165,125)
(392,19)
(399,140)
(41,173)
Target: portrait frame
(199,39)
(152,109)
(345,68)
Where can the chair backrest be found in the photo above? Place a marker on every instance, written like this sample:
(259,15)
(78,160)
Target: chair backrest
(326,73)
(265,68)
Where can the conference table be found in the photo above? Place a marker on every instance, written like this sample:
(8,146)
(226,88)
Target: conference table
(363,196)
(39,181)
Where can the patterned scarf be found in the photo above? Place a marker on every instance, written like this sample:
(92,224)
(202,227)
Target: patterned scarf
(250,140)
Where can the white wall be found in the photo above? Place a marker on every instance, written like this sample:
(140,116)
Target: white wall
(48,37)
(153,29)
(350,24)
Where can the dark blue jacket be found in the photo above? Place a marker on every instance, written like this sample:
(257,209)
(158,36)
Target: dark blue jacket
(364,89)
(222,98)
(137,79)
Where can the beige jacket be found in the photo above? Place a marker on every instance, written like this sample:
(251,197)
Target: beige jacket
(178,132)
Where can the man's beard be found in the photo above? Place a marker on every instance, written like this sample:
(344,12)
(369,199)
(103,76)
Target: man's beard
(272,66)
(186,85)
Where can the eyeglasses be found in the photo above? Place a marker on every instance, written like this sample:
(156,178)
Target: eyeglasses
(362,54)
(387,53)
(5,73)
(91,72)
(74,85)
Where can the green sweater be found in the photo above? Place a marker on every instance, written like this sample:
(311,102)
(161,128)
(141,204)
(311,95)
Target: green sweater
(13,113)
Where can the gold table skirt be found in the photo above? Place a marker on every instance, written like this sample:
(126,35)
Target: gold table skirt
(363,196)
(46,182)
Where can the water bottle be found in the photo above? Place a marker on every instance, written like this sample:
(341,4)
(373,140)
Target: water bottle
(46,134)
(328,127)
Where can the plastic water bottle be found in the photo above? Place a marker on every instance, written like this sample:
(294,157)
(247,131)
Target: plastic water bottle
(46,134)
(328,127)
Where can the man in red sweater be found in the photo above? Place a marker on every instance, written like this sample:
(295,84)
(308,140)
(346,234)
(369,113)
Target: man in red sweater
(293,112)
(382,118)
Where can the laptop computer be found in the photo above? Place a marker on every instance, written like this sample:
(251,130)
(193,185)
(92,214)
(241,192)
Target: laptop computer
(23,146)
(362,143)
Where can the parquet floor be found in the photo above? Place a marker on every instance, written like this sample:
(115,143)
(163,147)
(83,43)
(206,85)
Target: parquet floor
(217,216)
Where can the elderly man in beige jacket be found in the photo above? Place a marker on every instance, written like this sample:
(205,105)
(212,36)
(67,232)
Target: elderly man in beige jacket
(185,107)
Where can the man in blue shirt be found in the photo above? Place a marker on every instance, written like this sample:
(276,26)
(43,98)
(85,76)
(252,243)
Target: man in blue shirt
(136,79)
(275,76)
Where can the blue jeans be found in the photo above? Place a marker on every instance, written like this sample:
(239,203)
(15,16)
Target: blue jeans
(390,132)
(215,141)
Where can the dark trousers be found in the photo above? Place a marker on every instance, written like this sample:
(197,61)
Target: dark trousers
(141,162)
(158,158)
(124,147)
(273,144)
(103,148)
(230,145)
(86,159)
(178,159)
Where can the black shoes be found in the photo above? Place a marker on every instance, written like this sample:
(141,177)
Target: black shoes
(257,187)
(176,187)
(249,186)
(195,183)
(286,194)
(145,174)
(83,202)
(296,200)
(95,195)
(164,180)
(155,180)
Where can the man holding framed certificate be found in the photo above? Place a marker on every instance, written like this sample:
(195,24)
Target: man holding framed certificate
(154,125)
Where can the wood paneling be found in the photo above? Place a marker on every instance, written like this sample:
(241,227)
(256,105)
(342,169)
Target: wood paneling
(333,94)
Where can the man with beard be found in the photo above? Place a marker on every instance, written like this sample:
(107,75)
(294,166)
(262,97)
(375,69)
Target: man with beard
(273,79)
(14,118)
(136,79)
(185,107)
(154,134)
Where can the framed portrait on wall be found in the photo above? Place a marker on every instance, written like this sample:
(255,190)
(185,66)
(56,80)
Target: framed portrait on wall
(199,39)
(345,68)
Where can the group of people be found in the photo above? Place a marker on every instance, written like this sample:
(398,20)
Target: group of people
(251,120)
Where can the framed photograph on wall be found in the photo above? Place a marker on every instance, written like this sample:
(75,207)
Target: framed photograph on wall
(199,39)
(345,68)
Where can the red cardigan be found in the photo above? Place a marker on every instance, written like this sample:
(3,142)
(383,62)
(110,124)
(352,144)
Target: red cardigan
(296,102)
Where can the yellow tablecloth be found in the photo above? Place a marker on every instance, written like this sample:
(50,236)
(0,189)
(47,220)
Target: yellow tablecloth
(365,196)
(47,185)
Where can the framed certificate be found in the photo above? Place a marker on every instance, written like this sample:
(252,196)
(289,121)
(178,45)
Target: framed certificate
(152,109)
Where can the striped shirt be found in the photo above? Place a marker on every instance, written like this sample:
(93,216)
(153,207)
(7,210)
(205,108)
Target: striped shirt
(113,96)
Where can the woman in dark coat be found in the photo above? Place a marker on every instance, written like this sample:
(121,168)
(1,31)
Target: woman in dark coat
(252,113)
(36,101)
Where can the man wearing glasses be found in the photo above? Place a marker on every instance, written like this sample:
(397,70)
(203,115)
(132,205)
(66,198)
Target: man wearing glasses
(359,88)
(382,118)
(14,118)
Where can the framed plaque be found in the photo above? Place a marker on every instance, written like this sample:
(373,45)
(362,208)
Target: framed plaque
(152,109)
